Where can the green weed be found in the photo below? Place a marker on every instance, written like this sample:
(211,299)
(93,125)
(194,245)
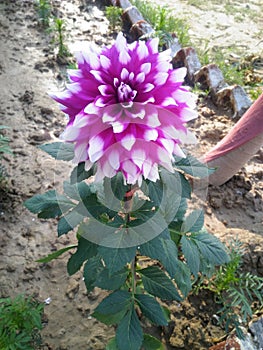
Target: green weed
(44,12)
(59,31)
(163,22)
(113,14)
(234,290)
(20,322)
(4,149)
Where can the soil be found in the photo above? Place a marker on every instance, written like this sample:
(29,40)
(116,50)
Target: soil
(29,69)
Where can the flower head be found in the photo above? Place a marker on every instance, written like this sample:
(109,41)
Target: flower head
(127,110)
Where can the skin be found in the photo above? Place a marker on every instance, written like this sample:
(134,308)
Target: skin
(242,142)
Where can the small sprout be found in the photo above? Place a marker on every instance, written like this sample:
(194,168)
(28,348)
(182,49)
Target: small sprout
(44,12)
(164,23)
(113,15)
(20,323)
(234,290)
(60,27)
(4,149)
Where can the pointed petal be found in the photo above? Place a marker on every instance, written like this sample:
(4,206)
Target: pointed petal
(146,68)
(95,151)
(124,74)
(105,62)
(128,141)
(114,159)
(178,151)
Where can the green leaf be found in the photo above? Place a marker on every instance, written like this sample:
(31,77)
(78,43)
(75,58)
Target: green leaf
(183,278)
(190,165)
(68,222)
(112,193)
(117,186)
(77,191)
(163,249)
(108,281)
(175,184)
(143,209)
(150,343)
(48,205)
(79,173)
(85,251)
(109,319)
(156,192)
(169,208)
(115,302)
(56,254)
(191,254)
(193,222)
(91,270)
(175,231)
(151,309)
(211,248)
(112,344)
(180,214)
(93,208)
(116,258)
(129,333)
(157,283)
(59,150)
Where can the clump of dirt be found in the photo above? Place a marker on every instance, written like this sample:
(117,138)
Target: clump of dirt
(29,69)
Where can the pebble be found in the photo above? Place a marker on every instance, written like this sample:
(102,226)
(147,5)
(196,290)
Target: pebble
(10,268)
(72,289)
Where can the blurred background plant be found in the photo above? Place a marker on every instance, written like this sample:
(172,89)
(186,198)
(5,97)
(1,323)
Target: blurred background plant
(237,68)
(59,31)
(164,23)
(113,14)
(44,12)
(240,293)
(4,149)
(20,323)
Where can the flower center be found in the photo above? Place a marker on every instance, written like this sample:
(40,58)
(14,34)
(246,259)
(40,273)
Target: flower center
(125,93)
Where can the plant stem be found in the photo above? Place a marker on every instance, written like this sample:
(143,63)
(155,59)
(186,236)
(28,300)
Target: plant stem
(128,208)
(133,271)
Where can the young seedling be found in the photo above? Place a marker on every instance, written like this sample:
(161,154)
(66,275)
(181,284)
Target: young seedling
(20,322)
(163,22)
(113,15)
(60,26)
(44,12)
(4,149)
(234,290)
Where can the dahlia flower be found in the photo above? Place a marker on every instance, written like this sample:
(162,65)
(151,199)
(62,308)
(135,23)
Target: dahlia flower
(127,110)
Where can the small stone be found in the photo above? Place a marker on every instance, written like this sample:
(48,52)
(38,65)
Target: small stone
(30,268)
(72,289)
(208,211)
(236,97)
(94,294)
(124,4)
(39,138)
(210,77)
(131,16)
(256,329)
(27,97)
(207,112)
(62,331)
(10,268)
(141,29)
(187,57)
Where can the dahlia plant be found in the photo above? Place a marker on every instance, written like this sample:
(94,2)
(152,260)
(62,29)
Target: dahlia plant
(127,195)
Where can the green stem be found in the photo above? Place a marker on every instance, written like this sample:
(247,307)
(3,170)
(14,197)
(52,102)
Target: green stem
(128,208)
(133,272)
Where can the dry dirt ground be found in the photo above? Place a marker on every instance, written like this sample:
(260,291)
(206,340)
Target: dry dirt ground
(28,70)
